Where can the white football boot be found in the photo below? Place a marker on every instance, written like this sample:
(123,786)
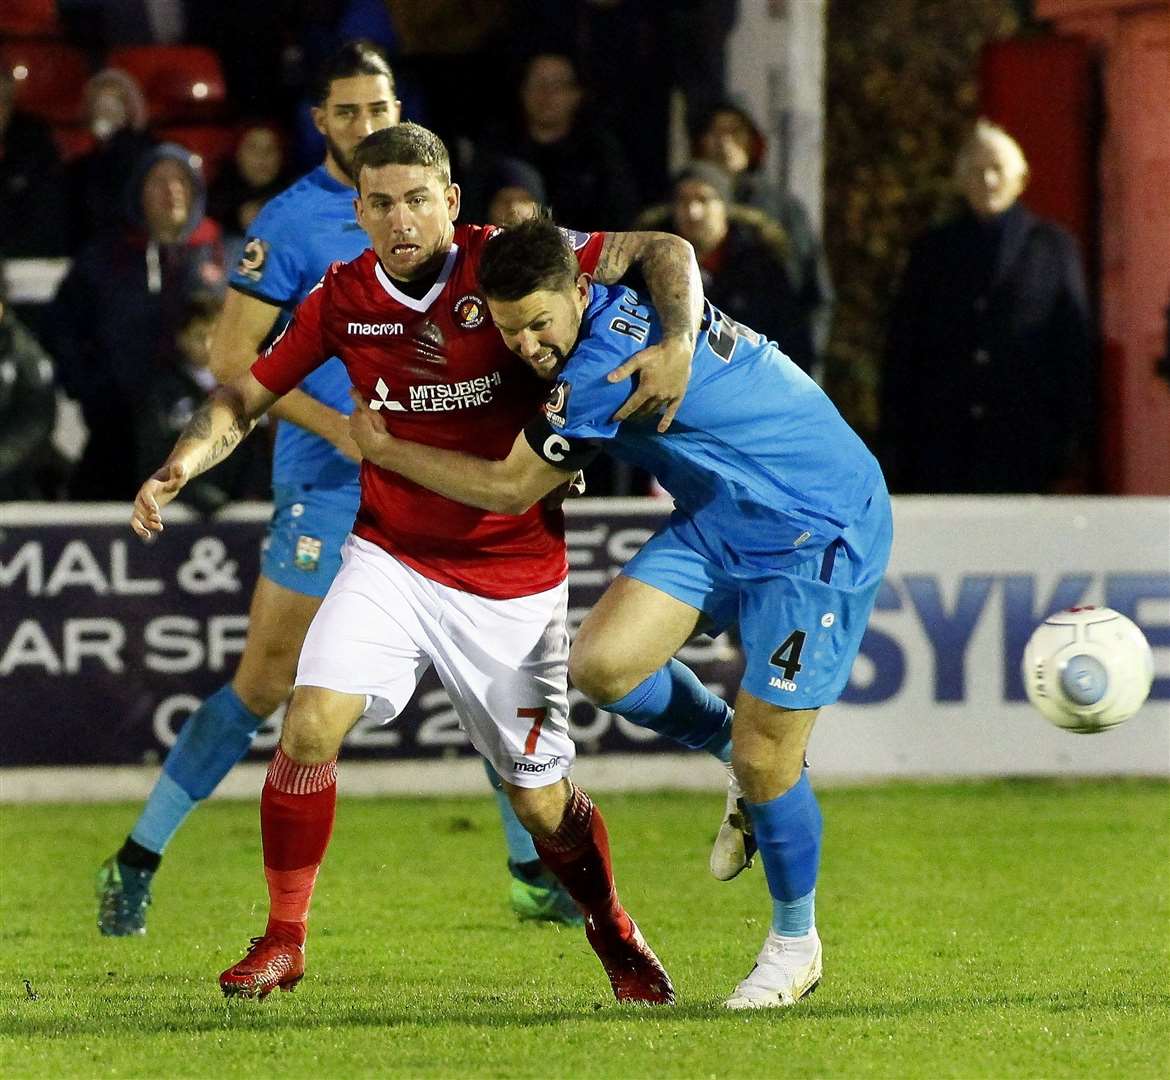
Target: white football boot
(786,970)
(735,846)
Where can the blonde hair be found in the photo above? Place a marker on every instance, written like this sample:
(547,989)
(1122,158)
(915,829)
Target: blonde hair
(124,84)
(986,132)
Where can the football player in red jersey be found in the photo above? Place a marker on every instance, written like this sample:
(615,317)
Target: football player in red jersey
(426,580)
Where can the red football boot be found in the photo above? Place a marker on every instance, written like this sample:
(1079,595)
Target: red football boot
(635,973)
(272,961)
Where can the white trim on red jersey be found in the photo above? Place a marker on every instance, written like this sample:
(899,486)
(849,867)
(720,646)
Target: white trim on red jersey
(425,302)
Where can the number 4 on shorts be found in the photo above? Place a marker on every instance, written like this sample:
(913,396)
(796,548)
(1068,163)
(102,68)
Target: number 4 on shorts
(537,717)
(788,655)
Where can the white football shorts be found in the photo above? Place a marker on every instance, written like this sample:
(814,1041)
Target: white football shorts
(504,663)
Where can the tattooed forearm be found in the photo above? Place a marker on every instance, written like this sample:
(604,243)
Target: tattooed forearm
(204,441)
(672,275)
(199,426)
(222,447)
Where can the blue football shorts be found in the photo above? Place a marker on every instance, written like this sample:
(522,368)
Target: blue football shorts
(800,628)
(302,550)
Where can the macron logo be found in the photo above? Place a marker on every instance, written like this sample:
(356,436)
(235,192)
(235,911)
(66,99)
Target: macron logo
(382,401)
(373,329)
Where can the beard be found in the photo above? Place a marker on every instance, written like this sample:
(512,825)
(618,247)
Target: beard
(344,161)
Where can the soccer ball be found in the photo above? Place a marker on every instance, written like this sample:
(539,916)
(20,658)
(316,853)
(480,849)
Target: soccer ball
(1087,669)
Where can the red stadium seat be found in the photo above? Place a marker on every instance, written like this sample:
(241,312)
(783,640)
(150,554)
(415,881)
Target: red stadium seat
(182,83)
(72,140)
(211,143)
(49,77)
(29,18)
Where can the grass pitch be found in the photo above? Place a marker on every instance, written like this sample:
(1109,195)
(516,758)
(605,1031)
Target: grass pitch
(1001,929)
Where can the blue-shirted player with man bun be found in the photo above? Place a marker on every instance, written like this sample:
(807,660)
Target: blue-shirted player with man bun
(781,524)
(293,241)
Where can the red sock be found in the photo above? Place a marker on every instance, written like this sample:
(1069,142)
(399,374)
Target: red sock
(578,854)
(296,821)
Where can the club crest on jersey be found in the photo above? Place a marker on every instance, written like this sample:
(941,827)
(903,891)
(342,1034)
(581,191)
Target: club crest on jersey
(307,554)
(255,255)
(556,408)
(470,311)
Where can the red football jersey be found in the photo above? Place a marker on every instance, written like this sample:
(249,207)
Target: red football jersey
(439,373)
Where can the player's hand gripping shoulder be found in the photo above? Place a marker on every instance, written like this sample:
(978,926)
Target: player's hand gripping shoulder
(671,271)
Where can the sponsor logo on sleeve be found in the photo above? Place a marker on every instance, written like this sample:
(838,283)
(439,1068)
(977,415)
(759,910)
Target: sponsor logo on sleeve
(255,255)
(577,240)
(556,408)
(470,311)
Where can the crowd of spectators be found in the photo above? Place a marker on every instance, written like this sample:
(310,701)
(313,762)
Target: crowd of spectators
(147,181)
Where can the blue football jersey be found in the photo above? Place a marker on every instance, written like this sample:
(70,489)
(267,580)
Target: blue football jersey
(757,455)
(289,247)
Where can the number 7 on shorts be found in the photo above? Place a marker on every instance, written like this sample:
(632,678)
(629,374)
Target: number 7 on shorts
(537,717)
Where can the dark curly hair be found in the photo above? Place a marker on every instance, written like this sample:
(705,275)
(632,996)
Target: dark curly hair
(526,258)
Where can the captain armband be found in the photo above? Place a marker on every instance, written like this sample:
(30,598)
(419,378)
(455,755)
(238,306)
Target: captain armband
(557,449)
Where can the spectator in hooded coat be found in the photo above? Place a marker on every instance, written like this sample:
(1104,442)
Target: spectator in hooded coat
(744,256)
(115,112)
(727,136)
(105,324)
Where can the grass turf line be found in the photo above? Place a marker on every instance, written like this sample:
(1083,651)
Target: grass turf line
(1008,928)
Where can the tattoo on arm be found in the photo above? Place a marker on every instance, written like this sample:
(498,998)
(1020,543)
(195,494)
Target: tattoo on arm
(671,271)
(222,447)
(201,427)
(618,252)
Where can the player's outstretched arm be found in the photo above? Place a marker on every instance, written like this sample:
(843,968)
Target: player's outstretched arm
(241,329)
(671,271)
(509,486)
(215,430)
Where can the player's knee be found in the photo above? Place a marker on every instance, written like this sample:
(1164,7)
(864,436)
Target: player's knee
(313,728)
(602,677)
(264,678)
(264,695)
(307,743)
(767,759)
(540,810)
(763,776)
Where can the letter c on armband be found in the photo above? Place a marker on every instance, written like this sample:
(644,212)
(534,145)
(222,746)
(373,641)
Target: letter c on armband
(555,448)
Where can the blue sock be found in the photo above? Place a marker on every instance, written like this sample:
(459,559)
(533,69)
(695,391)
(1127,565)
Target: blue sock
(214,738)
(675,703)
(788,830)
(520,847)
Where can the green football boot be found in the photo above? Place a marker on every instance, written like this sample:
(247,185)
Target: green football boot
(123,897)
(542,899)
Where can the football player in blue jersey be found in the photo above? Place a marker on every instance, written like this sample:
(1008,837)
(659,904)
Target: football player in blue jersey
(781,525)
(293,240)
